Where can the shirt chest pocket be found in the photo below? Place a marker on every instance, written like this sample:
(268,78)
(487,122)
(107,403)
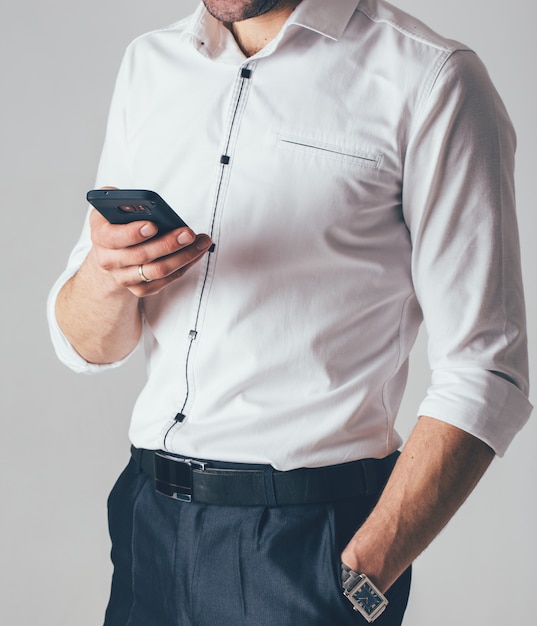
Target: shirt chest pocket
(317,151)
(342,178)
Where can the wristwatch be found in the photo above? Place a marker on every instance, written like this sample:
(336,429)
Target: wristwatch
(362,594)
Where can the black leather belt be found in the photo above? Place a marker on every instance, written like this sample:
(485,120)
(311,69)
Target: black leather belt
(192,480)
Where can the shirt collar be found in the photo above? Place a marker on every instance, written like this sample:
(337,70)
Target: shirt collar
(328,18)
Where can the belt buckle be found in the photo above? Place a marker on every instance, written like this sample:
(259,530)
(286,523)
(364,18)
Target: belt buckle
(173,476)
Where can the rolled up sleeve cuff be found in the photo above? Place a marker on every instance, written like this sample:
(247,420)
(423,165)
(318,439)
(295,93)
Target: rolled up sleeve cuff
(64,350)
(479,402)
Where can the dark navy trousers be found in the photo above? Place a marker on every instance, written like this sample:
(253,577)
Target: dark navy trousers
(190,564)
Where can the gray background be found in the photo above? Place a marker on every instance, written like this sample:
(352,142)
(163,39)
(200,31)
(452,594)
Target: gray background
(64,436)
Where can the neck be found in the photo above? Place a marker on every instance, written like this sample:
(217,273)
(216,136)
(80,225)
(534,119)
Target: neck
(254,34)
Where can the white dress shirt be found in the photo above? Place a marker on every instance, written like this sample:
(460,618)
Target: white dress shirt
(356,176)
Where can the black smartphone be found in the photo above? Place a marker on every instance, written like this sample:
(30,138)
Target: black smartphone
(121,206)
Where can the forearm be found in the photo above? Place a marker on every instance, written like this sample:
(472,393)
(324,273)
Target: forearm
(438,468)
(100,319)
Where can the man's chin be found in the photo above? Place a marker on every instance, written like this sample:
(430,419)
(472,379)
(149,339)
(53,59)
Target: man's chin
(229,11)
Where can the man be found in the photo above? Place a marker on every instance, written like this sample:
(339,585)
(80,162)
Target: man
(353,173)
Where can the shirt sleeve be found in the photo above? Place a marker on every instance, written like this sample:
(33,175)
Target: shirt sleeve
(114,170)
(459,205)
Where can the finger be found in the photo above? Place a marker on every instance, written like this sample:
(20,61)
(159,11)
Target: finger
(161,251)
(172,264)
(128,274)
(167,245)
(118,236)
(112,258)
(143,289)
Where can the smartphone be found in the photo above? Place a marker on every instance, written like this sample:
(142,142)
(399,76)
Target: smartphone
(121,206)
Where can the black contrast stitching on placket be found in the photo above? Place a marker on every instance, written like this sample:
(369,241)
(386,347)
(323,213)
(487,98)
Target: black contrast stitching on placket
(225,159)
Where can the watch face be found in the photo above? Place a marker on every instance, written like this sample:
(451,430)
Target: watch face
(367,598)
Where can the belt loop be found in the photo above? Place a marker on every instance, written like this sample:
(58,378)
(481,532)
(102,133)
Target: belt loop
(136,455)
(270,491)
(371,477)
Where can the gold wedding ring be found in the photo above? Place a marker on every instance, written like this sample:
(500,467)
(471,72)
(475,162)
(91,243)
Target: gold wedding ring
(142,275)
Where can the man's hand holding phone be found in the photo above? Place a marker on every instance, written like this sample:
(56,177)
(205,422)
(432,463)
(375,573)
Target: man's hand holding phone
(134,251)
(147,248)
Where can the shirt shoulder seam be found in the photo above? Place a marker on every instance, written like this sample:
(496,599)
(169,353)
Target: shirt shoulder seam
(446,45)
(434,75)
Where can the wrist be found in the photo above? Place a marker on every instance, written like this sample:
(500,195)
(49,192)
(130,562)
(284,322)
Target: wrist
(368,559)
(350,559)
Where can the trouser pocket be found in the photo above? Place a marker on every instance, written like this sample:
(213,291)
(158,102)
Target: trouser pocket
(346,518)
